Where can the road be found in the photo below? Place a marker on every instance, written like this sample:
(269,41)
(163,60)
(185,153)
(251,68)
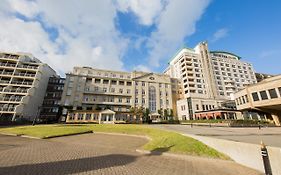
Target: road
(270,136)
(101,154)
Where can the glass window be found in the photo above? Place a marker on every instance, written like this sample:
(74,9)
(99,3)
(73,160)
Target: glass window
(263,95)
(88,116)
(255,96)
(272,93)
(152,98)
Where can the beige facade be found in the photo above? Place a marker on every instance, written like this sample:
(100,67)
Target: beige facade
(263,97)
(89,89)
(23,83)
(208,78)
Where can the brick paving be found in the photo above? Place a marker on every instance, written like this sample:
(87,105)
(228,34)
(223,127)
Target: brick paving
(100,154)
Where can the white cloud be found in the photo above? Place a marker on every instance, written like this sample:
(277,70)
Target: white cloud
(176,22)
(86,32)
(219,34)
(142,68)
(146,10)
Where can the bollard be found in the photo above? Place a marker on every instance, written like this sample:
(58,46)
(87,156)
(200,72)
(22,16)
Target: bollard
(265,158)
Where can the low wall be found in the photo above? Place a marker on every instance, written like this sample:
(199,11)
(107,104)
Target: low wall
(244,153)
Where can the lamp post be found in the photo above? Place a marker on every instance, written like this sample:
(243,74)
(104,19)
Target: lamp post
(38,113)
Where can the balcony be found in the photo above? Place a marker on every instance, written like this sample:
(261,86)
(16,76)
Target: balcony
(24,75)
(7,65)
(22,83)
(27,67)
(15,90)
(4,81)
(7,109)
(11,99)
(6,73)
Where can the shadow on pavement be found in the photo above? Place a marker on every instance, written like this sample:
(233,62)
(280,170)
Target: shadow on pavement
(70,166)
(160,151)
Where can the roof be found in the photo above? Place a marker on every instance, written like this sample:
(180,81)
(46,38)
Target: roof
(179,50)
(224,52)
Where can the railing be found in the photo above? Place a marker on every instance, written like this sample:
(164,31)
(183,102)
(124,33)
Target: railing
(4,81)
(6,73)
(24,75)
(27,67)
(7,65)
(21,82)
(13,99)
(15,90)
(9,57)
(7,109)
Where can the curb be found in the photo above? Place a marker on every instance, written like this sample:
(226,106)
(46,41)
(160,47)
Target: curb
(47,137)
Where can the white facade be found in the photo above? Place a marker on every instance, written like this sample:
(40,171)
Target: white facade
(89,88)
(23,83)
(208,78)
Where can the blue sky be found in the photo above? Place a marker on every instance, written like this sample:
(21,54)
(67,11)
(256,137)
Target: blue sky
(140,34)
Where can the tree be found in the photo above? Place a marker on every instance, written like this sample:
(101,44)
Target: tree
(171,115)
(146,113)
(165,114)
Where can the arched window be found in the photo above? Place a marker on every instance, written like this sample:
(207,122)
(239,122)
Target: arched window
(152,98)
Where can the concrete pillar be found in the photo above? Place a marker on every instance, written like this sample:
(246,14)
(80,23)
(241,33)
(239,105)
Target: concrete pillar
(99,118)
(276,119)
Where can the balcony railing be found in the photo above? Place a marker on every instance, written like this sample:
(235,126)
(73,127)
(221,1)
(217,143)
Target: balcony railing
(7,65)
(24,75)
(14,57)
(4,81)
(11,99)
(27,67)
(10,109)
(6,73)
(22,82)
(16,90)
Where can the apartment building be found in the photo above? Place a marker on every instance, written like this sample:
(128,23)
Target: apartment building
(208,78)
(108,96)
(261,101)
(51,109)
(23,83)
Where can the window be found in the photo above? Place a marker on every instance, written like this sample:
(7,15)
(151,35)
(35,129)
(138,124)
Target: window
(80,117)
(263,95)
(121,82)
(143,92)
(88,116)
(71,116)
(69,91)
(104,89)
(197,107)
(97,80)
(105,81)
(143,101)
(272,93)
(128,100)
(96,88)
(136,100)
(255,96)
(129,83)
(152,98)
(128,91)
(112,89)
(113,82)
(121,91)
(143,83)
(120,100)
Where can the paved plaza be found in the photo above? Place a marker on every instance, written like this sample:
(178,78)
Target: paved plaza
(269,135)
(100,154)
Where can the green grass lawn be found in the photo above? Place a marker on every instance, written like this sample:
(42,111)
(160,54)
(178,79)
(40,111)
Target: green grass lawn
(161,140)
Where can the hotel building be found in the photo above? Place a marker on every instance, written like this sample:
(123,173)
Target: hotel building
(23,83)
(208,78)
(95,95)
